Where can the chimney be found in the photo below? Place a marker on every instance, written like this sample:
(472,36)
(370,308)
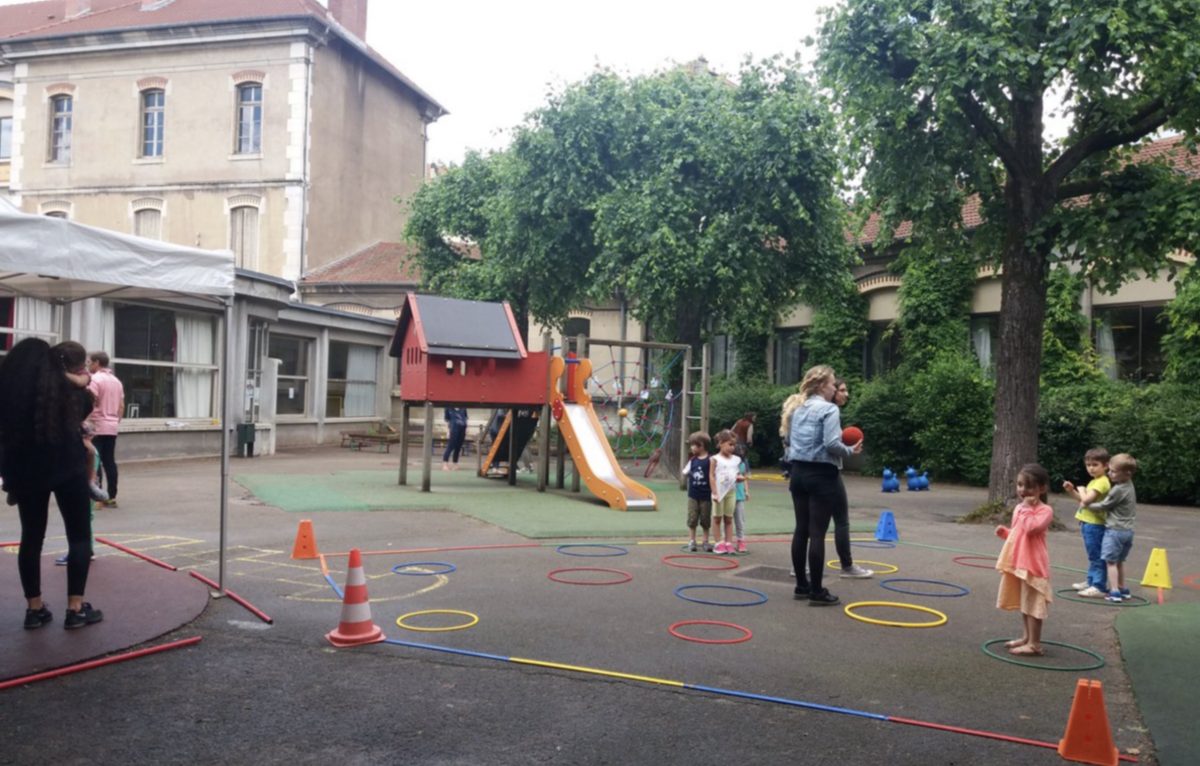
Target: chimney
(77,8)
(351,14)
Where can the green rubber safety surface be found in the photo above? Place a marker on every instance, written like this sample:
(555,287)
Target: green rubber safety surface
(521,509)
(1159,648)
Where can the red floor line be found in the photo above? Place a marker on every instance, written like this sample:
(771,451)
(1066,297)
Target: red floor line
(260,614)
(98,663)
(141,556)
(987,734)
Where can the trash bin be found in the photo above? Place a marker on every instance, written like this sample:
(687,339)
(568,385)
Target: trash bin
(245,439)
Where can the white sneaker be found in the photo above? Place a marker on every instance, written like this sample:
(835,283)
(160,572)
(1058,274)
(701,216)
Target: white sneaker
(1092,592)
(1081,585)
(855,572)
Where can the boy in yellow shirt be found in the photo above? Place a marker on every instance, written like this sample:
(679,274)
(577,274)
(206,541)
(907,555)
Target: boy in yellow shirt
(1091,522)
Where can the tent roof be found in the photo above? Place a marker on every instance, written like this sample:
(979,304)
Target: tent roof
(62,261)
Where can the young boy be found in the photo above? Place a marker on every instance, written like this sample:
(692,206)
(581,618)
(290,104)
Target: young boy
(1120,507)
(699,489)
(1091,523)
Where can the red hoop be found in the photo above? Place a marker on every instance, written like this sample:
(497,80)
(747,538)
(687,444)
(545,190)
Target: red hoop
(732,564)
(1191,581)
(959,560)
(626,575)
(746,634)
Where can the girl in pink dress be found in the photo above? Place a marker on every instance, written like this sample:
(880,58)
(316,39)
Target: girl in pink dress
(1024,562)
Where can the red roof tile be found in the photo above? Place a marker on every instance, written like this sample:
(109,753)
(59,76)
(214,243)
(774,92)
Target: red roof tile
(382,262)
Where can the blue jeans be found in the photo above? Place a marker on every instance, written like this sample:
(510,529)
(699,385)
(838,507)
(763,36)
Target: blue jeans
(1093,537)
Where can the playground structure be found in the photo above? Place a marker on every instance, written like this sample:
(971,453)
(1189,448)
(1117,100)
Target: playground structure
(469,354)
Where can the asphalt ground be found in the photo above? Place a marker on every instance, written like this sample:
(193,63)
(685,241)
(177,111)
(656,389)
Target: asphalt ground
(251,692)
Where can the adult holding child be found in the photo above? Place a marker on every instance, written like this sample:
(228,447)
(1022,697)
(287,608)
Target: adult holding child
(41,453)
(815,451)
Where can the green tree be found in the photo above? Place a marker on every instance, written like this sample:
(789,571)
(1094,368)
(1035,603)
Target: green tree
(944,101)
(1181,343)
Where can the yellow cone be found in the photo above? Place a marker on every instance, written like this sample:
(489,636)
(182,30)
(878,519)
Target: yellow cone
(1158,574)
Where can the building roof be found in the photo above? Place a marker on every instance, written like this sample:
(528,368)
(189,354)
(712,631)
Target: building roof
(47,20)
(455,327)
(1170,149)
(380,263)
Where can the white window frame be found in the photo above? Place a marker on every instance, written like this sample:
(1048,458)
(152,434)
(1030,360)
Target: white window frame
(309,344)
(153,118)
(61,126)
(247,131)
(132,411)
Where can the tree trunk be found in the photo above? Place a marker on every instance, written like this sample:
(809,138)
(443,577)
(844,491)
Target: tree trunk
(1019,357)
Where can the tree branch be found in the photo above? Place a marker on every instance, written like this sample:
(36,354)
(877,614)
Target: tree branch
(1152,116)
(988,130)
(1079,189)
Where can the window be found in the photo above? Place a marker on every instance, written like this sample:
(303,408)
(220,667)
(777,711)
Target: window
(352,376)
(249,119)
(573,328)
(983,339)
(243,235)
(790,356)
(256,352)
(148,223)
(7,322)
(57,214)
(153,106)
(724,355)
(166,359)
(5,138)
(60,128)
(1129,342)
(291,396)
(882,352)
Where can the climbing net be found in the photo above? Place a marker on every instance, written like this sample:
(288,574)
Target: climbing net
(632,398)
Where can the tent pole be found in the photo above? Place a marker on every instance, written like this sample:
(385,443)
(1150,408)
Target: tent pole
(226,385)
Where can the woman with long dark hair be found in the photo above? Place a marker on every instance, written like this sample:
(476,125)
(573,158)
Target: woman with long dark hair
(41,453)
(815,449)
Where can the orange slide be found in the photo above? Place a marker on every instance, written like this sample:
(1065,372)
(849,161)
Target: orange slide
(590,450)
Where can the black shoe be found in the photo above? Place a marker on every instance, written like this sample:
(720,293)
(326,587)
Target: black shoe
(822,598)
(82,618)
(801,592)
(36,618)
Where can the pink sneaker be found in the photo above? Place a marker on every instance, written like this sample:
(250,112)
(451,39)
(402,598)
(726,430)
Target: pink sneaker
(741,546)
(721,547)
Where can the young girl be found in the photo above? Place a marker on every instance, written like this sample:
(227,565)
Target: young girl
(1024,563)
(726,471)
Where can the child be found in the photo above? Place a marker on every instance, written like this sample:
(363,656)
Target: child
(698,489)
(74,361)
(725,473)
(1120,508)
(1091,523)
(742,493)
(1024,562)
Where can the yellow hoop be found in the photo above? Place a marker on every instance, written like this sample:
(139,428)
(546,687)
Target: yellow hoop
(474,619)
(942,619)
(892,568)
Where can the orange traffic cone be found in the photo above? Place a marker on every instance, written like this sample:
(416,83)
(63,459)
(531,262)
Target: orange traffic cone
(306,542)
(356,626)
(1088,738)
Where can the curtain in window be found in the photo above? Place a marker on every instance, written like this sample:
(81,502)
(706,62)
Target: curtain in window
(360,381)
(1106,348)
(35,316)
(243,236)
(193,345)
(981,338)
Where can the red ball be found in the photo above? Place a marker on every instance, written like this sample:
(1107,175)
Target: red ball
(851,435)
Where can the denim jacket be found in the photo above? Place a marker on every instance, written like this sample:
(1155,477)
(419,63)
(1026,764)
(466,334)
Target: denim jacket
(816,433)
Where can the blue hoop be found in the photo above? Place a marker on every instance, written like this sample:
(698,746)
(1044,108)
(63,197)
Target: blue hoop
(448,568)
(619,550)
(963,589)
(762,597)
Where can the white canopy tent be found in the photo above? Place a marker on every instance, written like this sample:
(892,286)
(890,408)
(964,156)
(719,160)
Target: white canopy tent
(61,262)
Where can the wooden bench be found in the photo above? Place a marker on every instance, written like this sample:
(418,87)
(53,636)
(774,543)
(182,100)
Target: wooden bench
(381,434)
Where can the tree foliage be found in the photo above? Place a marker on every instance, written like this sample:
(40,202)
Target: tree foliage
(944,102)
(1181,342)
(693,197)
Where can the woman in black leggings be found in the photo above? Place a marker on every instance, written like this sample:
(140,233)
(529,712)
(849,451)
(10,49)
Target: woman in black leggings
(815,449)
(41,453)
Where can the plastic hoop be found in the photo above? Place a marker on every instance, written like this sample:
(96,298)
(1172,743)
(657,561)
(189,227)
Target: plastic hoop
(961,560)
(1098,664)
(886,584)
(1191,581)
(725,563)
(835,565)
(447,570)
(627,577)
(941,617)
(619,550)
(1069,594)
(474,619)
(762,597)
(746,634)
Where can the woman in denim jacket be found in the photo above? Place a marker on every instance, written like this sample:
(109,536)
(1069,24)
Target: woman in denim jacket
(815,449)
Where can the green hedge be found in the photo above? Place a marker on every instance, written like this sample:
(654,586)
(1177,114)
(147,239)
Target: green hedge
(729,399)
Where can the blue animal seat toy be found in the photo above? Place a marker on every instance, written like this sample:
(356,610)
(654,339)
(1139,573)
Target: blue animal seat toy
(891,483)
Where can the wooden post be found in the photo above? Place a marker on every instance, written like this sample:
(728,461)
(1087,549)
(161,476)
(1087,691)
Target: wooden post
(404,416)
(479,449)
(512,448)
(685,410)
(543,477)
(427,448)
